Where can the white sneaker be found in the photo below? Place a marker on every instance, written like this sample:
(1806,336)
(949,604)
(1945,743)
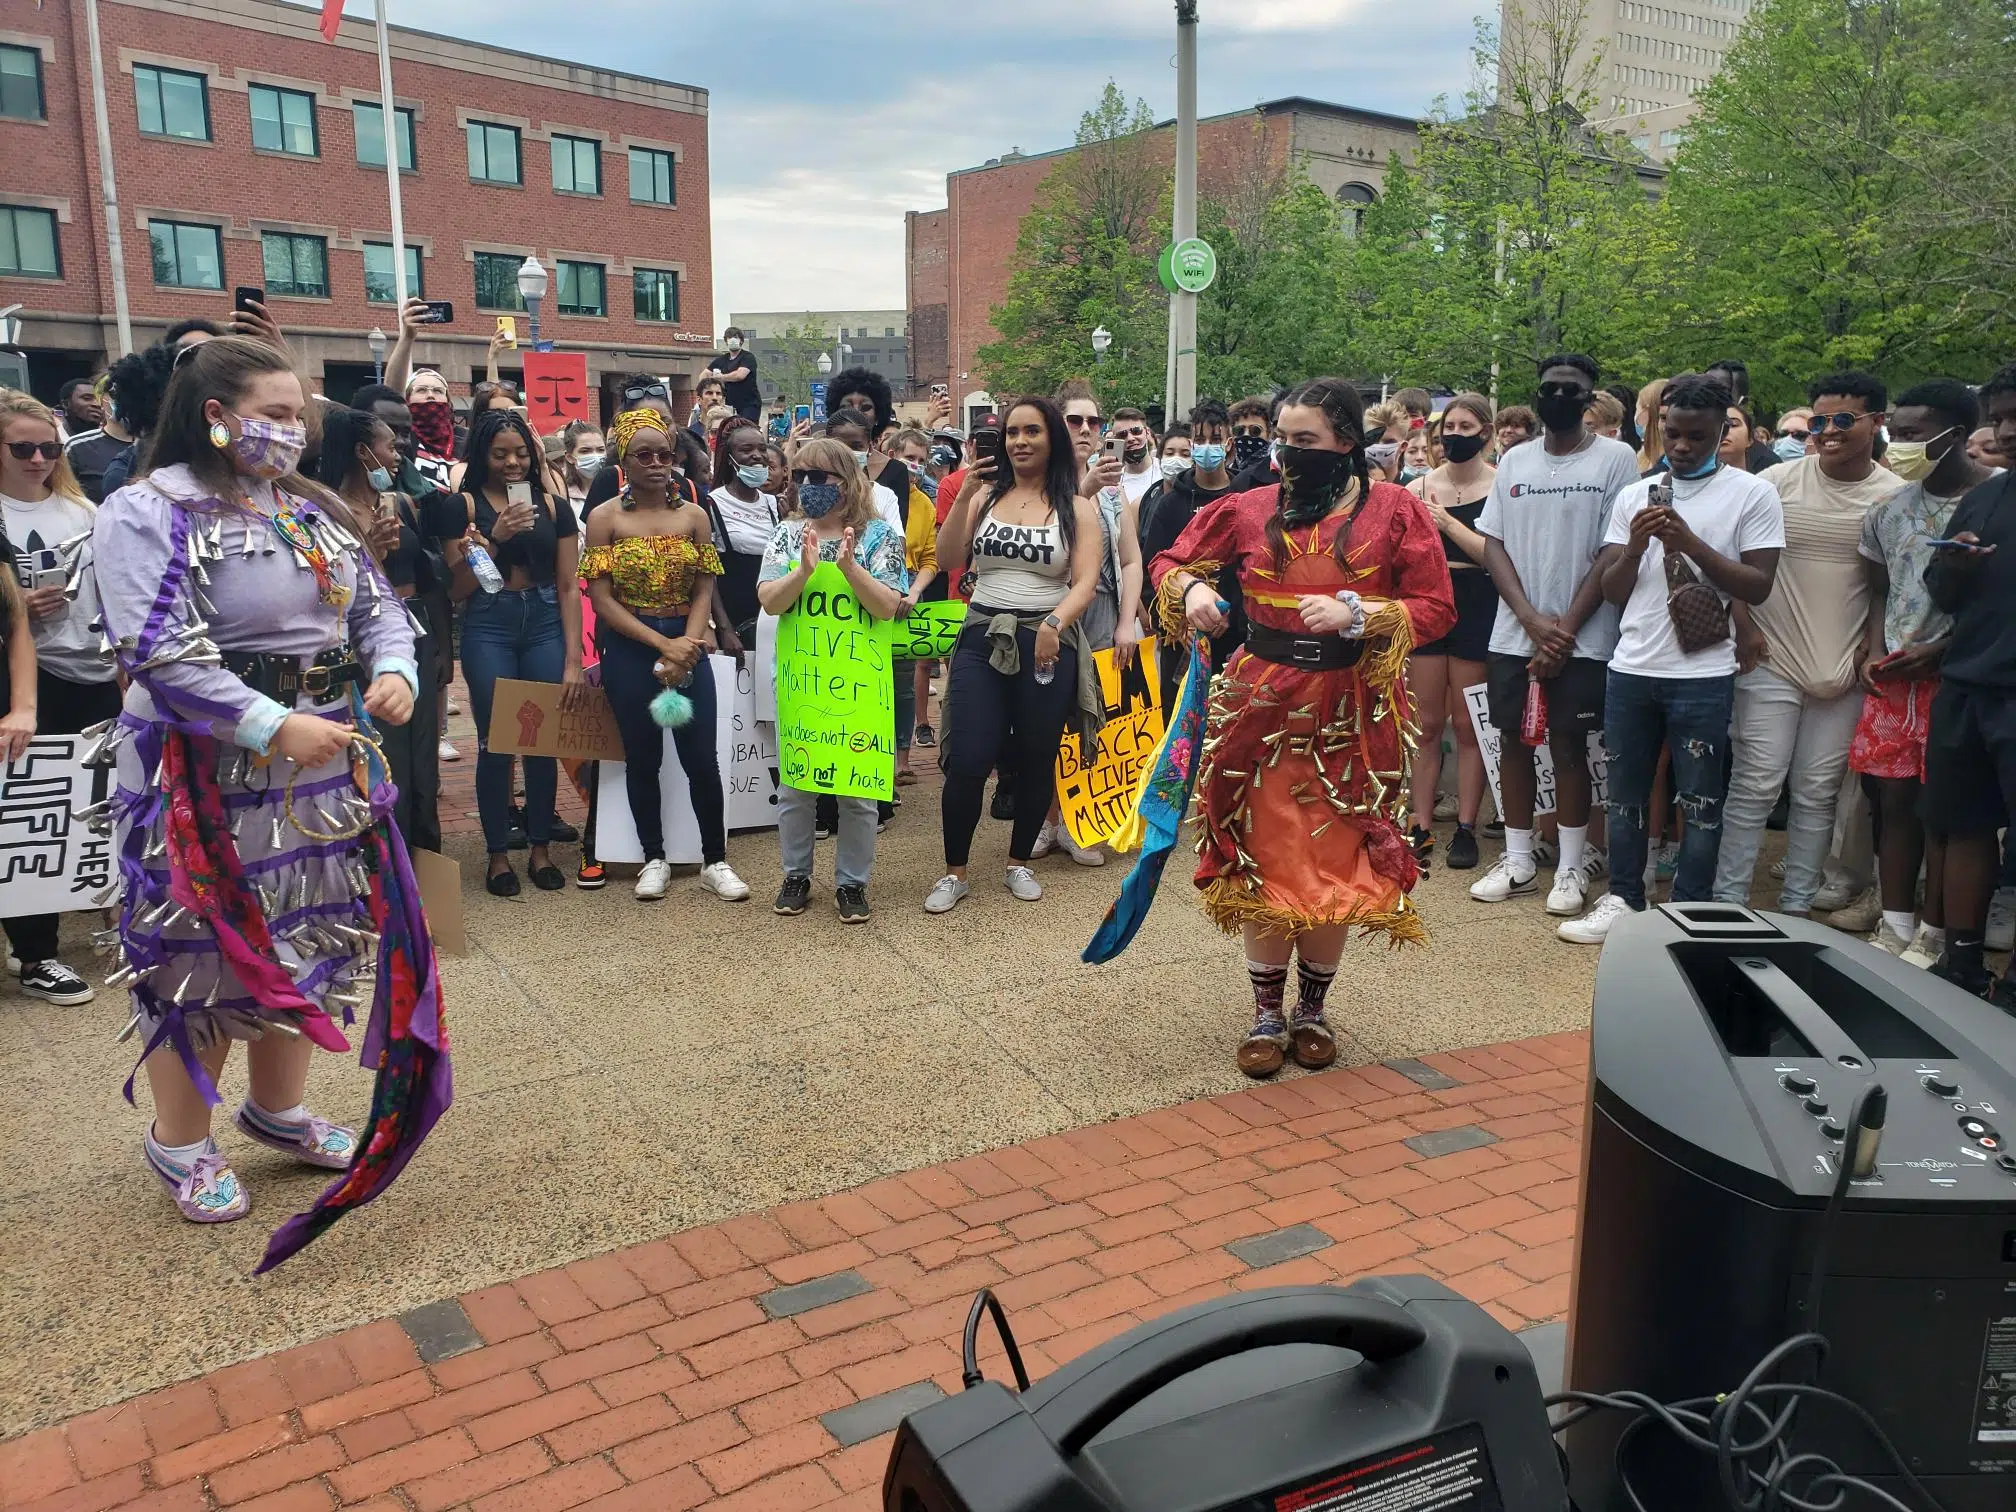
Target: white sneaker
(2002,919)
(1924,950)
(1835,892)
(448,752)
(1502,882)
(946,895)
(1046,842)
(454,708)
(1888,940)
(1594,926)
(1445,807)
(1595,862)
(1083,855)
(1570,893)
(1023,884)
(720,880)
(652,881)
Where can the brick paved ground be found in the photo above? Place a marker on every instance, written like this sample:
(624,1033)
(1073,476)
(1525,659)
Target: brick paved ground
(760,1363)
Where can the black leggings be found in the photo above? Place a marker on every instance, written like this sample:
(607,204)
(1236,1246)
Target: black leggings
(992,714)
(631,685)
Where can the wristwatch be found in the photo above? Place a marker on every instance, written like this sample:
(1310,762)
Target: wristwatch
(1053,622)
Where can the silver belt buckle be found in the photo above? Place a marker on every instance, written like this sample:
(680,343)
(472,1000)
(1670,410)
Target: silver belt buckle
(1306,652)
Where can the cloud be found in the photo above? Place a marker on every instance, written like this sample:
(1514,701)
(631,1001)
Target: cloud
(828,122)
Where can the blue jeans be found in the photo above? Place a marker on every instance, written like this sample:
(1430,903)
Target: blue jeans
(1689,715)
(515,633)
(630,682)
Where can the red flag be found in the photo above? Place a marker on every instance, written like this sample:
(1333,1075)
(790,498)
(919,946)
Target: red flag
(332,18)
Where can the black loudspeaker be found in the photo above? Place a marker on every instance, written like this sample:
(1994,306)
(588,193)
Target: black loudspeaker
(1390,1395)
(1727,1048)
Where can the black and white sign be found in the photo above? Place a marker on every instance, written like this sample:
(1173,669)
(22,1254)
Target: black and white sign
(49,861)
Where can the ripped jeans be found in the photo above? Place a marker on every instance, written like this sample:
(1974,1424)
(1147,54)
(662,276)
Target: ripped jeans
(1691,716)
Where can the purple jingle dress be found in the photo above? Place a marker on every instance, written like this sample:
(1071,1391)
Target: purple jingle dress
(235,919)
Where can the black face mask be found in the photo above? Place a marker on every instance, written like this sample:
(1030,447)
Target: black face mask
(1460,449)
(1135,453)
(1312,482)
(1246,450)
(1561,412)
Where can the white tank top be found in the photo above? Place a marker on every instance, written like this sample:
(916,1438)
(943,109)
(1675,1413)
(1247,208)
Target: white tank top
(1026,568)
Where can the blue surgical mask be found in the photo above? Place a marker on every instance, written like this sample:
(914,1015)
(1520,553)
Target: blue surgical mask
(381,480)
(1788,448)
(1208,458)
(753,476)
(1706,469)
(862,458)
(817,499)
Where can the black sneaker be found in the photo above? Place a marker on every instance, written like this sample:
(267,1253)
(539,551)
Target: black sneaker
(1973,979)
(1003,806)
(793,897)
(1463,848)
(53,982)
(1494,829)
(852,901)
(515,838)
(563,832)
(884,812)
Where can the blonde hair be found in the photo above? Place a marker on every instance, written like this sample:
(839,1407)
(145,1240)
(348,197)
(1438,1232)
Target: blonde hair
(857,496)
(15,405)
(1651,442)
(1391,414)
(1604,409)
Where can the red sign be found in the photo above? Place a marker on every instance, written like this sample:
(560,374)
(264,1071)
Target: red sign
(556,389)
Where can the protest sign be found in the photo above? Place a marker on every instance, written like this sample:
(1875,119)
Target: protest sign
(440,882)
(50,862)
(836,694)
(1478,701)
(556,389)
(746,752)
(526,720)
(1093,800)
(929,631)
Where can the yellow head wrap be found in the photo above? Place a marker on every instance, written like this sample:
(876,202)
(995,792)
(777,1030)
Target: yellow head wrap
(632,421)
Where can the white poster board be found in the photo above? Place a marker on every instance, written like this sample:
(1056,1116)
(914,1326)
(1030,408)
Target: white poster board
(1478,700)
(50,862)
(747,751)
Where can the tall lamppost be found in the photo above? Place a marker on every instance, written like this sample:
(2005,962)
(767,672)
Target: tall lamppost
(532,289)
(378,346)
(1102,342)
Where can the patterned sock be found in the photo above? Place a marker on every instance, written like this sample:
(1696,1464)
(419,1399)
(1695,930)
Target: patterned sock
(285,1125)
(1270,985)
(1312,985)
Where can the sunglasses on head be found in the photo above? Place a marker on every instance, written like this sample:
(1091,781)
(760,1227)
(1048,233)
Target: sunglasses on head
(23,450)
(1082,422)
(812,475)
(1839,420)
(636,391)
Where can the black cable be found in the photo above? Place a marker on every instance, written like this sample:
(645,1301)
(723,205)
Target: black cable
(985,1300)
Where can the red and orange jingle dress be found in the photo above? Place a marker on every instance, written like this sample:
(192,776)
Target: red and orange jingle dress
(1302,786)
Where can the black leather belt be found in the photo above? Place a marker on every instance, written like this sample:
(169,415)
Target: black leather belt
(283,678)
(1312,653)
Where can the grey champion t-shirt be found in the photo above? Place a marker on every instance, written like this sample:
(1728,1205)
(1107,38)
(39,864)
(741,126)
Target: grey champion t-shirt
(1549,513)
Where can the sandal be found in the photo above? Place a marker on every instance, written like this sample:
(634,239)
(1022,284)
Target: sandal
(1315,1047)
(1264,1049)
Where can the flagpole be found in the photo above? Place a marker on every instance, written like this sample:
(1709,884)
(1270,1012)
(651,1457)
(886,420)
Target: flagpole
(399,290)
(115,244)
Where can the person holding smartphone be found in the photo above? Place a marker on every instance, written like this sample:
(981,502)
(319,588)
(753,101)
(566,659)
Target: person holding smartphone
(520,624)
(48,523)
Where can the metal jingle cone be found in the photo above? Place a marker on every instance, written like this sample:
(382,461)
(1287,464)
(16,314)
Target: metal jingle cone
(104,942)
(276,836)
(132,1026)
(100,730)
(110,895)
(237,825)
(216,991)
(157,847)
(288,1026)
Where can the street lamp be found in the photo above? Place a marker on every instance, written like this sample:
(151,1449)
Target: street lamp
(1102,339)
(532,289)
(378,344)
(825,364)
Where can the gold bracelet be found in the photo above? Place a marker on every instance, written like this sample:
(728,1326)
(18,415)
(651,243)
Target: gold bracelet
(357,738)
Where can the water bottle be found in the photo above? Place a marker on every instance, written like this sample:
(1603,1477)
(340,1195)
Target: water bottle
(488,578)
(1046,675)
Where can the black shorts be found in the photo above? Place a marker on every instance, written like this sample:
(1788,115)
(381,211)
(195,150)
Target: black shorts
(1574,699)
(1970,760)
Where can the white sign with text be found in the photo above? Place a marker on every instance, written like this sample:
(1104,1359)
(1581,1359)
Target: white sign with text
(50,862)
(1477,700)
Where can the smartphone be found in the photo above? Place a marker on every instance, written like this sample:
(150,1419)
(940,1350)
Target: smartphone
(780,426)
(51,577)
(1110,448)
(388,506)
(1943,544)
(941,391)
(1660,494)
(987,438)
(517,494)
(507,330)
(245,296)
(440,311)
(801,414)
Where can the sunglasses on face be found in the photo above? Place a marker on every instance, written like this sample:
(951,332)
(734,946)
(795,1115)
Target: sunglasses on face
(1839,420)
(813,476)
(23,450)
(1796,435)
(645,391)
(1249,430)
(649,456)
(1564,390)
(1082,422)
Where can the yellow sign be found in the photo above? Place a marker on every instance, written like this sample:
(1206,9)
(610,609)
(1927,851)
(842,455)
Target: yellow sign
(1095,800)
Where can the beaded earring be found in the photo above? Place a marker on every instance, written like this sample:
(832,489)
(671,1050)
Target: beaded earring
(220,437)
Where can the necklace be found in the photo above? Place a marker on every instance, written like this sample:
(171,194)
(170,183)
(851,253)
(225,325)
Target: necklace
(1554,467)
(294,530)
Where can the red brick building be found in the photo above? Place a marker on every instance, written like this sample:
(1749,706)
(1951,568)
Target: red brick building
(248,151)
(959,257)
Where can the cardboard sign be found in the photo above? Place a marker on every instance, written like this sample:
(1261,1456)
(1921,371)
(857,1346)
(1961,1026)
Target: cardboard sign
(556,389)
(1093,800)
(836,694)
(440,882)
(1477,700)
(50,862)
(930,631)
(526,720)
(744,749)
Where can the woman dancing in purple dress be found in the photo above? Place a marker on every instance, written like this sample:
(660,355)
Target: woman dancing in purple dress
(265,894)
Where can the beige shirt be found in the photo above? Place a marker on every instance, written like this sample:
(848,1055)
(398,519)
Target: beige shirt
(1814,619)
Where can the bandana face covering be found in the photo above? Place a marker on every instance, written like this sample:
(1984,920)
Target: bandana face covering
(433,426)
(1312,481)
(268,449)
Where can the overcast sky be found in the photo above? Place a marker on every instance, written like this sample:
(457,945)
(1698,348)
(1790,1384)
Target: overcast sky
(829,121)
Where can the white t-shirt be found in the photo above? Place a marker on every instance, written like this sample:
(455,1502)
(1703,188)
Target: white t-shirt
(886,506)
(65,643)
(1135,485)
(1733,512)
(748,526)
